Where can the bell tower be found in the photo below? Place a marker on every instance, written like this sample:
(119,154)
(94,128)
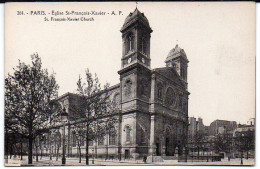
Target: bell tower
(136,34)
(177,58)
(135,84)
(135,62)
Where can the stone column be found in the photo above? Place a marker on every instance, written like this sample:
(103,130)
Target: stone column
(152,147)
(119,130)
(152,98)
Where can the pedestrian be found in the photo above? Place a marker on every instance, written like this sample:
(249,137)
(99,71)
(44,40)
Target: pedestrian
(145,158)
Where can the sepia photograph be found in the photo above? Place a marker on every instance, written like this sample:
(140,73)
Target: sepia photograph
(130,84)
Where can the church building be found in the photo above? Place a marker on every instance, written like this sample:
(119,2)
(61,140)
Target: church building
(153,103)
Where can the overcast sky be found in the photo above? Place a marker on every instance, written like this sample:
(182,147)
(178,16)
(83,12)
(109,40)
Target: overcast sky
(218,38)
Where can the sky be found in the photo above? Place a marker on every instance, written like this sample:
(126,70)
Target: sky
(218,38)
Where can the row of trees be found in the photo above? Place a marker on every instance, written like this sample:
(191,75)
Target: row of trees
(226,142)
(31,109)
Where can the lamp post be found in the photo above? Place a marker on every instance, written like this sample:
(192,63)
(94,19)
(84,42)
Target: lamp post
(93,156)
(64,116)
(242,135)
(207,155)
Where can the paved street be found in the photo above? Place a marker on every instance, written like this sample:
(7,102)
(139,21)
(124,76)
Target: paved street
(45,161)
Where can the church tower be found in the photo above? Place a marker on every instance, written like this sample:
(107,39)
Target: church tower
(136,40)
(135,84)
(177,58)
(135,70)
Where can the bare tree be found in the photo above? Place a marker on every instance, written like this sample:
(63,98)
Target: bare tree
(98,109)
(222,142)
(199,139)
(28,94)
(80,133)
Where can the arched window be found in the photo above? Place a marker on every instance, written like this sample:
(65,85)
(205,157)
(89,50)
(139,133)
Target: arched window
(159,90)
(128,85)
(112,137)
(142,136)
(143,45)
(170,97)
(183,73)
(128,133)
(129,42)
(144,87)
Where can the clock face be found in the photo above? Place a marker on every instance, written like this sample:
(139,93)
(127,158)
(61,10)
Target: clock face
(143,60)
(129,60)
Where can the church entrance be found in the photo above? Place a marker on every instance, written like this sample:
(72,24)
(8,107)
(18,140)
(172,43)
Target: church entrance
(127,154)
(168,141)
(158,149)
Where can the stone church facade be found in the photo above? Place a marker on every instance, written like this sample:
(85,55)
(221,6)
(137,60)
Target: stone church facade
(153,103)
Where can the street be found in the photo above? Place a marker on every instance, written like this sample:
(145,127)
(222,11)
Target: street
(45,161)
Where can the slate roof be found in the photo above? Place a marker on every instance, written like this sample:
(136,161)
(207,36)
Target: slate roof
(169,72)
(176,52)
(134,16)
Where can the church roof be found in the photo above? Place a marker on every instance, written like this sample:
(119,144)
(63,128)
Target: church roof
(134,16)
(176,52)
(169,72)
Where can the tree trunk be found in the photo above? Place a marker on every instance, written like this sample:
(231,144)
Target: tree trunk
(11,151)
(30,157)
(107,147)
(36,149)
(198,153)
(21,150)
(41,152)
(57,154)
(87,163)
(50,149)
(79,152)
(6,148)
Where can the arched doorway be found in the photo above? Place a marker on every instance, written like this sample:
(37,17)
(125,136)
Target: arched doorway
(167,142)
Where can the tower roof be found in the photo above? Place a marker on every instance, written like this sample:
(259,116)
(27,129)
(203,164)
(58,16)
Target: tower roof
(135,16)
(176,52)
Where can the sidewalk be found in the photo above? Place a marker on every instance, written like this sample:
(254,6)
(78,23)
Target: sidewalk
(45,161)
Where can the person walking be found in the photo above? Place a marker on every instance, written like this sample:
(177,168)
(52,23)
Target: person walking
(145,159)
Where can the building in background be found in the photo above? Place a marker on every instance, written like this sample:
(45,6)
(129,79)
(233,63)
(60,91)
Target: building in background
(219,126)
(196,126)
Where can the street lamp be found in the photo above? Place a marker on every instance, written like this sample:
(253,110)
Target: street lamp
(93,156)
(207,154)
(64,116)
(241,149)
